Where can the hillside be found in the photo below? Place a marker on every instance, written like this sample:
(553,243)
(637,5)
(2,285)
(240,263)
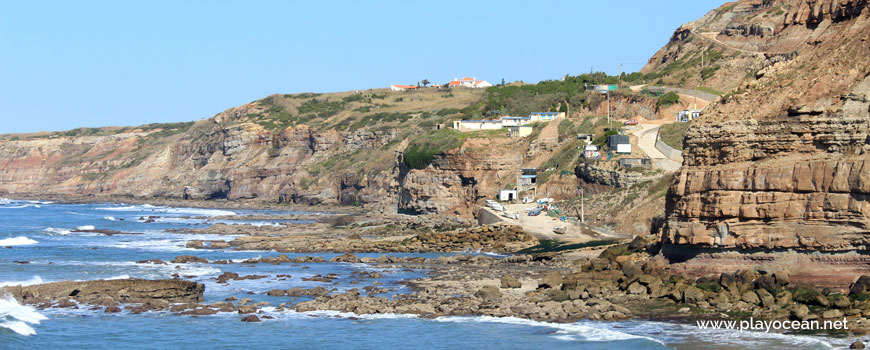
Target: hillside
(380,150)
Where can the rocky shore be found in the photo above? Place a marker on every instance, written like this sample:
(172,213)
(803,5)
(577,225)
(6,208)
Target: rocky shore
(622,281)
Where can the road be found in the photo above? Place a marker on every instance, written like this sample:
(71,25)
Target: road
(646,140)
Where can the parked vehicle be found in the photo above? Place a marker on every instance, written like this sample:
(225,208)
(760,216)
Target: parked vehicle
(560,229)
(510,215)
(630,122)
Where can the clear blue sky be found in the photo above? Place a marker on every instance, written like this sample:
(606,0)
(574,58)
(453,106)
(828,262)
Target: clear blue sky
(66,64)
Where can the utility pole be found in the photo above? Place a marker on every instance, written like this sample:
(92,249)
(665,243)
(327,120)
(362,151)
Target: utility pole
(608,108)
(619,76)
(582,207)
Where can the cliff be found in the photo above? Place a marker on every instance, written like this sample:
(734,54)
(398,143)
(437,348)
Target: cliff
(782,162)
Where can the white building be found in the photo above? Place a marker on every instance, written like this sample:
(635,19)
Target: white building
(471,125)
(397,87)
(470,83)
(515,121)
(507,195)
(545,116)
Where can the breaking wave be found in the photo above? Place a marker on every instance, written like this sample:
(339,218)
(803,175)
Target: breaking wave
(15,241)
(17,317)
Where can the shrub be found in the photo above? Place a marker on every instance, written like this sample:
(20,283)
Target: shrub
(420,152)
(668,99)
(708,72)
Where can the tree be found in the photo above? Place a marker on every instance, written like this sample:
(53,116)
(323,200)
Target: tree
(425,82)
(502,81)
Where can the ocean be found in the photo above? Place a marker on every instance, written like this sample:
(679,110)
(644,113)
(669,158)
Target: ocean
(40,233)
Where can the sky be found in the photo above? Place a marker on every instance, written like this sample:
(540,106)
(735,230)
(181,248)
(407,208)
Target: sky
(68,64)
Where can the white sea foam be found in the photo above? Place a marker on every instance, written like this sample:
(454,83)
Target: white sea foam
(20,240)
(737,338)
(58,231)
(17,317)
(85,228)
(20,206)
(110,218)
(564,331)
(33,280)
(119,277)
(160,209)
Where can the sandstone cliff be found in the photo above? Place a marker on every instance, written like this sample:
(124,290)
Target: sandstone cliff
(782,161)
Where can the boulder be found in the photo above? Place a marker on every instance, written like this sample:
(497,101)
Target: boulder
(833,313)
(766,282)
(112,309)
(188,259)
(783,298)
(841,302)
(551,280)
(857,345)
(508,281)
(346,257)
(247,309)
(488,293)
(693,295)
(750,297)
(251,318)
(861,285)
(767,299)
(798,312)
(782,278)
(636,288)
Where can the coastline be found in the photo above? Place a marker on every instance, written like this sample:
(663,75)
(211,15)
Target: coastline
(618,282)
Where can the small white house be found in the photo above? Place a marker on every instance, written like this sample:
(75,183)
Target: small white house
(471,125)
(507,195)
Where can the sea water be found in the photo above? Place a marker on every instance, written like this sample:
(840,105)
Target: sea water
(38,245)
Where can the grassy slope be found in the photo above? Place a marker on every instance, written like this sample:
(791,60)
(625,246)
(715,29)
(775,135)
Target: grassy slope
(672,134)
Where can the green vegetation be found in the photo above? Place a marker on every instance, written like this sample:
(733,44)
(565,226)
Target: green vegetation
(667,99)
(421,151)
(517,99)
(553,245)
(708,72)
(710,90)
(672,134)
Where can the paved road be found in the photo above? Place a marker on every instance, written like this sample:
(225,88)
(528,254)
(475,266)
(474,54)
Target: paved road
(646,140)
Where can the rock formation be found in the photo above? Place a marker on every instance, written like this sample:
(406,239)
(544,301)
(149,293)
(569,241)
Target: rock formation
(783,162)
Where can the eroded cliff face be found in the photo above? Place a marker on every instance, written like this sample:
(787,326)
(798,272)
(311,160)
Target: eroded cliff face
(783,161)
(226,157)
(217,158)
(460,178)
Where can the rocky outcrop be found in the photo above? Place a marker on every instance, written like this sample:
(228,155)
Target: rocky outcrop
(612,176)
(136,291)
(456,180)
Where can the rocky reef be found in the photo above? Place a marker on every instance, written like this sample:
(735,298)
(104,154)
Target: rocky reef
(157,294)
